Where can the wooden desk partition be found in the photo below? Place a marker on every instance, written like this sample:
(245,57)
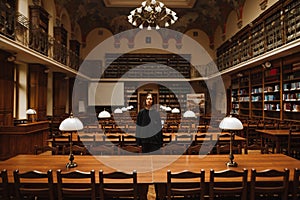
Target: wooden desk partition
(21,139)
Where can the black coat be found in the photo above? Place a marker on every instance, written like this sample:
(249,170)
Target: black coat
(148,128)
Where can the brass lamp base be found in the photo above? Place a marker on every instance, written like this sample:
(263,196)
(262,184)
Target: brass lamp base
(231,164)
(71,164)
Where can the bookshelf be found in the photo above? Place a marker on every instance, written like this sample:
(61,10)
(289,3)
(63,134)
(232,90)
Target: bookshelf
(271,92)
(279,25)
(147,66)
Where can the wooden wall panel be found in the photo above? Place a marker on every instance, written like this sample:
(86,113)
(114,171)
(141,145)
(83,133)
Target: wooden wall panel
(38,90)
(59,96)
(6,90)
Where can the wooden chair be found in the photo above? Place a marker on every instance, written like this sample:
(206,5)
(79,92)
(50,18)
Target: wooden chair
(256,148)
(202,137)
(128,140)
(251,134)
(120,188)
(129,150)
(225,149)
(27,188)
(76,150)
(112,139)
(200,149)
(87,140)
(102,150)
(178,186)
(167,139)
(4,193)
(217,188)
(260,187)
(174,149)
(65,189)
(60,141)
(42,149)
(184,139)
(296,184)
(293,148)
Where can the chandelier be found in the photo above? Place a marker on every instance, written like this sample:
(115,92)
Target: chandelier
(152,13)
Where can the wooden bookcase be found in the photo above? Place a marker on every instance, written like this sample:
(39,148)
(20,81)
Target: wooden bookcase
(277,26)
(271,91)
(39,25)
(147,66)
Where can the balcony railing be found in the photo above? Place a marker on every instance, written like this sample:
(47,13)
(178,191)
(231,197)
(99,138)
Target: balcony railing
(17,27)
(279,26)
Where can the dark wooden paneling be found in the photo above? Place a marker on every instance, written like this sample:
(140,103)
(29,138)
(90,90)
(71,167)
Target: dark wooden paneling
(6,90)
(21,139)
(38,90)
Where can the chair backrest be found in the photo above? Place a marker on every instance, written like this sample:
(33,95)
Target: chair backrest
(129,150)
(128,140)
(4,194)
(296,184)
(236,186)
(202,138)
(26,187)
(186,139)
(120,188)
(102,150)
(114,139)
(76,150)
(167,138)
(225,149)
(294,141)
(174,149)
(200,149)
(42,149)
(257,148)
(185,183)
(65,189)
(87,140)
(60,141)
(277,183)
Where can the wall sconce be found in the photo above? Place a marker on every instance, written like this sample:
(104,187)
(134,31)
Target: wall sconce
(231,124)
(31,113)
(71,124)
(266,65)
(11,58)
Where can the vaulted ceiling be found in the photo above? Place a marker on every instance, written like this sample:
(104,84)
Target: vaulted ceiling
(205,15)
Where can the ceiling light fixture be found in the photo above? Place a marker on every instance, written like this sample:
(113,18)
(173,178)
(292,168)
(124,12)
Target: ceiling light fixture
(152,13)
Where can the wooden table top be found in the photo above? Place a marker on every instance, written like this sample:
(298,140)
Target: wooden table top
(279,132)
(150,168)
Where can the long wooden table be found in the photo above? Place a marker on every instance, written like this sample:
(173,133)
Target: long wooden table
(277,136)
(152,169)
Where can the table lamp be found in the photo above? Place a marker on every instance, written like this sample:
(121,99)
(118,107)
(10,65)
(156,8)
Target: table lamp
(231,124)
(31,112)
(104,115)
(71,124)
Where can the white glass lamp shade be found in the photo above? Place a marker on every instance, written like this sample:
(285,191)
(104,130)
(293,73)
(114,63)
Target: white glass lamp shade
(231,123)
(189,114)
(71,124)
(168,108)
(124,109)
(30,111)
(175,110)
(104,114)
(118,110)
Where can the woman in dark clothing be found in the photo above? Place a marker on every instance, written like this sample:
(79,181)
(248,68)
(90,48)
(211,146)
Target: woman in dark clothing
(148,128)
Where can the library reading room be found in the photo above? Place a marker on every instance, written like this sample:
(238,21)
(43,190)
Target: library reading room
(149,99)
